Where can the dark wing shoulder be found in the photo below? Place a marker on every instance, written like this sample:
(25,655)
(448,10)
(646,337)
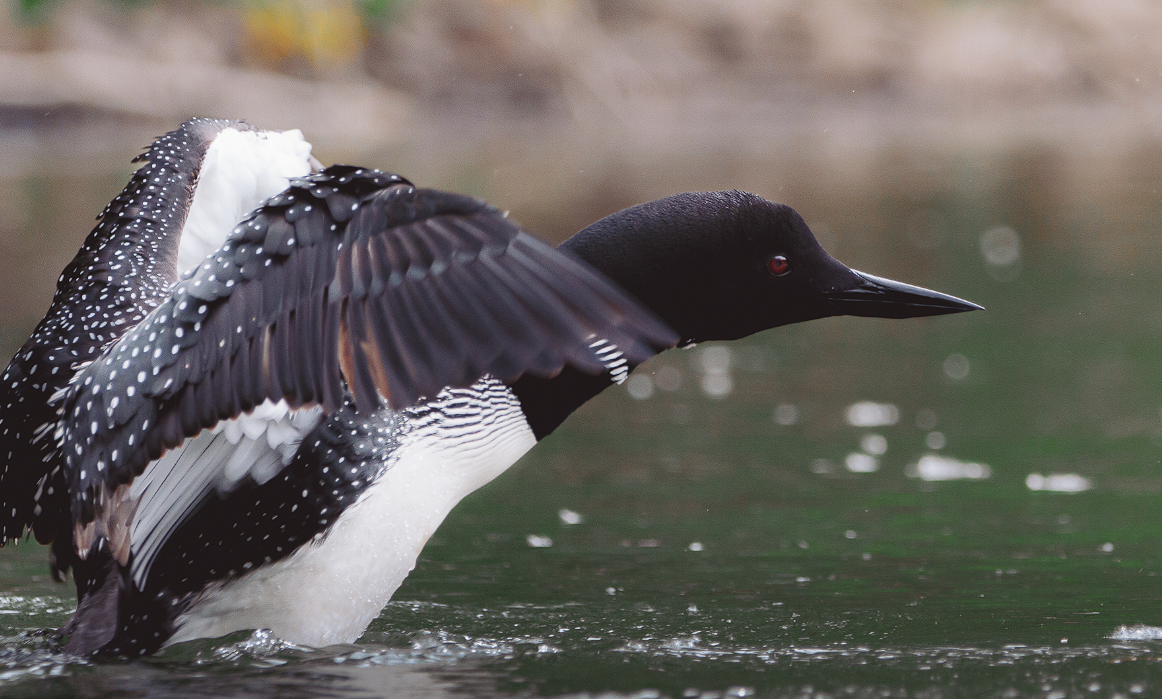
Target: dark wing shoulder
(350,280)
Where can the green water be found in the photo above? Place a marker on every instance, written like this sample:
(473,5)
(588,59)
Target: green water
(702,548)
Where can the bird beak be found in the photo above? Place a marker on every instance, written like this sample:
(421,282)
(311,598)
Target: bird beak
(877,297)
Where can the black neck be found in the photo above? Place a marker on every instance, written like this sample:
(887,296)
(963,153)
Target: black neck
(605,245)
(547,402)
(621,247)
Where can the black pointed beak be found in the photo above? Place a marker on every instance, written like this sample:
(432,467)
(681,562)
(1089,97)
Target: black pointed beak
(877,297)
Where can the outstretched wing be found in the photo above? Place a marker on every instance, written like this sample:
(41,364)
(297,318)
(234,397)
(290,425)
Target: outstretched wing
(350,280)
(89,310)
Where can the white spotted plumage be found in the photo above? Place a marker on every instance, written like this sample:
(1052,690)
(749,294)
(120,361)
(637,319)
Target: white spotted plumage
(450,447)
(115,280)
(348,290)
(255,446)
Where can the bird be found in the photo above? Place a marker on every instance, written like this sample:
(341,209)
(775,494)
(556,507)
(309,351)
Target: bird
(263,383)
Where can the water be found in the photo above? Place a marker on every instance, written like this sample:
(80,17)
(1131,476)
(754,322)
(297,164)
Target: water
(949,507)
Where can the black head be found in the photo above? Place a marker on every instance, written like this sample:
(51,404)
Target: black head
(723,265)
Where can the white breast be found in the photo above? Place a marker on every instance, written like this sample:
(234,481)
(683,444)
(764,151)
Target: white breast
(329,591)
(241,170)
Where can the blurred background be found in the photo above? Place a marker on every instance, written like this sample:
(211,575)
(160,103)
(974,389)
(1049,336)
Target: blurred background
(847,506)
(564,110)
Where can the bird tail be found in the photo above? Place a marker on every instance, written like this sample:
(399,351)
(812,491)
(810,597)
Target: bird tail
(114,618)
(94,624)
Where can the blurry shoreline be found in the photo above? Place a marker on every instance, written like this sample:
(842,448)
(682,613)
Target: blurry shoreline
(87,79)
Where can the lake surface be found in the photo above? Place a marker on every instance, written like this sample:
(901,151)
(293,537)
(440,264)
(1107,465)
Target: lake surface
(952,507)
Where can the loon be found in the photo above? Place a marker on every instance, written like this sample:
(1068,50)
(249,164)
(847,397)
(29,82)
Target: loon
(262,384)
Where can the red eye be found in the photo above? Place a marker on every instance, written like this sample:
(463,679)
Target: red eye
(779,265)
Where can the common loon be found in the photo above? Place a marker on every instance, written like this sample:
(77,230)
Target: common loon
(262,384)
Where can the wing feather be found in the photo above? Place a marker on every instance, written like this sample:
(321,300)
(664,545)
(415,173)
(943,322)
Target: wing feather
(351,280)
(173,488)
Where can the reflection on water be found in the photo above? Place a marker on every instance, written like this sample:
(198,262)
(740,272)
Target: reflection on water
(871,414)
(933,467)
(962,506)
(1058,482)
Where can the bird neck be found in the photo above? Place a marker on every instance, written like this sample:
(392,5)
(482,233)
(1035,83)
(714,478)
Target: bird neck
(547,402)
(625,248)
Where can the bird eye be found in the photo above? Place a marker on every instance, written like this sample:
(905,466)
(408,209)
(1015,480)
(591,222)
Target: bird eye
(779,265)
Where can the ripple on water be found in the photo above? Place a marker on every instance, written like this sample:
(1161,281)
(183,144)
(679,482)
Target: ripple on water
(557,638)
(28,647)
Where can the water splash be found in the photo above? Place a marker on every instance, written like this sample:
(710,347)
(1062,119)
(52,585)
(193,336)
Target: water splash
(1136,632)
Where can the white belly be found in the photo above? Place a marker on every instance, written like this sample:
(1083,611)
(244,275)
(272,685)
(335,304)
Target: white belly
(329,591)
